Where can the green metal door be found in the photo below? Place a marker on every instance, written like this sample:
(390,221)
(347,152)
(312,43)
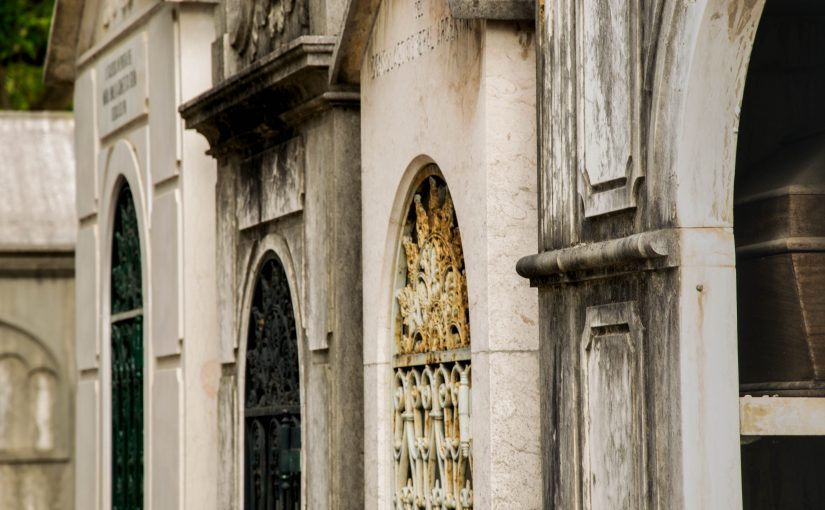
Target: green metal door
(127,358)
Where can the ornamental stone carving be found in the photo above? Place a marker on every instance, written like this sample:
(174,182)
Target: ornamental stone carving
(258,27)
(432,445)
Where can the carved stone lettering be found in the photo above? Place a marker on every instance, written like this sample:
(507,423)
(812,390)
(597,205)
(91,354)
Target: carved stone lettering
(422,27)
(122,94)
(613,463)
(609,81)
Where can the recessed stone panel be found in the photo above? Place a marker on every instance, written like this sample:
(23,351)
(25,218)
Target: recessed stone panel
(86,444)
(86,295)
(164,127)
(612,409)
(609,79)
(282,178)
(85,139)
(166,440)
(166,297)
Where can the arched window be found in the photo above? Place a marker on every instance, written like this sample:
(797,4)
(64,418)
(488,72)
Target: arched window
(127,357)
(272,404)
(431,422)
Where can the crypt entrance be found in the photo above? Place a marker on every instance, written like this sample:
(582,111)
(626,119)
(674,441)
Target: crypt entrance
(272,400)
(779,228)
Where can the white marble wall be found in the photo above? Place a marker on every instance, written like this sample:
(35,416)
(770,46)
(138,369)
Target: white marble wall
(460,94)
(173,183)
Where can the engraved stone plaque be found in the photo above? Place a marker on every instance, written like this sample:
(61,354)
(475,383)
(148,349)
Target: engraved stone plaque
(122,95)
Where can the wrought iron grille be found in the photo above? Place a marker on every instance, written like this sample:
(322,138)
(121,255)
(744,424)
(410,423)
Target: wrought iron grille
(272,412)
(127,358)
(432,446)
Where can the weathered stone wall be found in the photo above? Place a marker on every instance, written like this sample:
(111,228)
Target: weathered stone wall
(637,137)
(287,146)
(301,200)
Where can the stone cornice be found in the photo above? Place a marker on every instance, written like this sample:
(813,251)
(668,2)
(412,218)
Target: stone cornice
(267,98)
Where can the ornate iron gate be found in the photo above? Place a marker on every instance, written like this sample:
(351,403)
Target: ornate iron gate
(127,358)
(272,413)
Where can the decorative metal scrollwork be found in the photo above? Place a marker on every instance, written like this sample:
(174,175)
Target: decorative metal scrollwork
(432,443)
(272,411)
(127,358)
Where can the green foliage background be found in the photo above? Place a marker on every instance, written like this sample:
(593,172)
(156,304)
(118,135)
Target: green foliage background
(24,37)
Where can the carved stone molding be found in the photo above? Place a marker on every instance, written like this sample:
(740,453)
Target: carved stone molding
(616,252)
(613,464)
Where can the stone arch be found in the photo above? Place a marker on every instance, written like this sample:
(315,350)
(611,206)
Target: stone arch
(704,50)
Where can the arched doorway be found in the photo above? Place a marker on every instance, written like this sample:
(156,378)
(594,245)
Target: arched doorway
(127,356)
(272,402)
(779,229)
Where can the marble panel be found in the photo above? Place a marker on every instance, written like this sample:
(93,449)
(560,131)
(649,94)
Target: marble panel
(87,325)
(85,140)
(166,440)
(166,274)
(86,445)
(164,121)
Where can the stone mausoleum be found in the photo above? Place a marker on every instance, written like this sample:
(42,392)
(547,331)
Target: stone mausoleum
(436,254)
(37,311)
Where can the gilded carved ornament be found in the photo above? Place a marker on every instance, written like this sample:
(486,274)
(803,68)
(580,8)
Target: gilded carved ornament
(433,303)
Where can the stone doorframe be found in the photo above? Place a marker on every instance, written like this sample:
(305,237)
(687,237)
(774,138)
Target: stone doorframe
(122,167)
(695,125)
